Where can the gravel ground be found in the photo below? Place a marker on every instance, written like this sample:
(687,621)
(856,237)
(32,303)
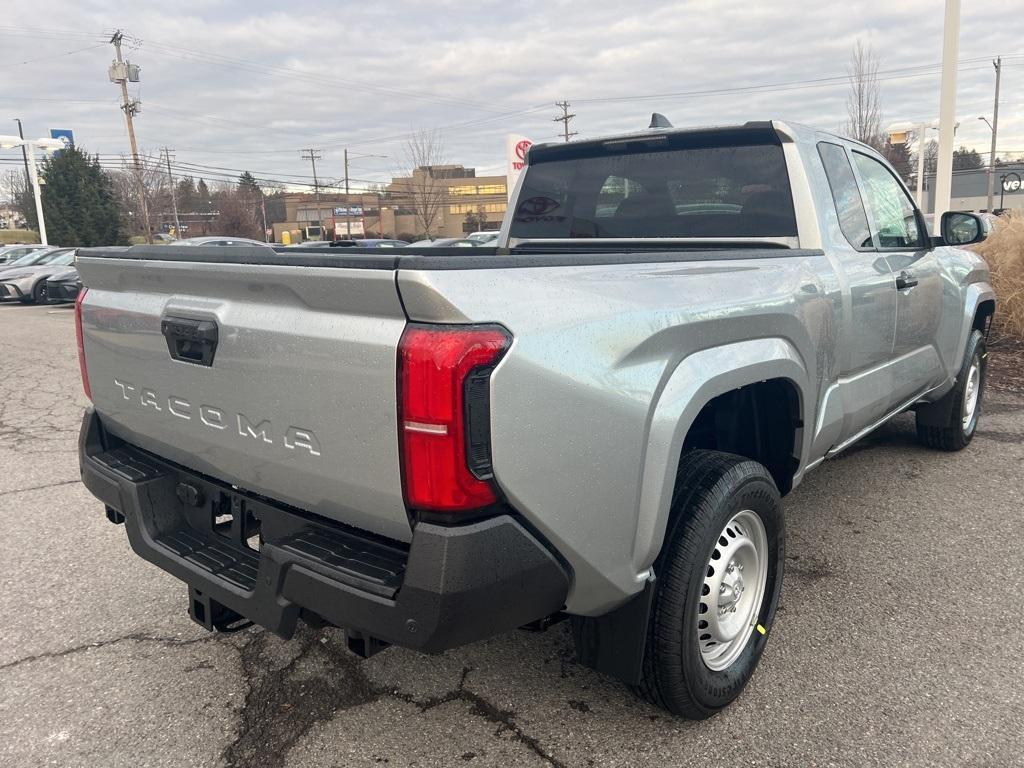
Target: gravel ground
(899,639)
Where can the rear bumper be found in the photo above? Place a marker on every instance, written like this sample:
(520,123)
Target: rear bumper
(451,586)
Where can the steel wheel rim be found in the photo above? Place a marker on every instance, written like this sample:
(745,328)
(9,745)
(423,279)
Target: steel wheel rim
(971,394)
(733,590)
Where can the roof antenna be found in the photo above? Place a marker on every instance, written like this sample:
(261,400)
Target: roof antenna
(658,120)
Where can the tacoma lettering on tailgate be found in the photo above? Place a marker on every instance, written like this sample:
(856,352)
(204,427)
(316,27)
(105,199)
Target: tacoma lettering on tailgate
(213,417)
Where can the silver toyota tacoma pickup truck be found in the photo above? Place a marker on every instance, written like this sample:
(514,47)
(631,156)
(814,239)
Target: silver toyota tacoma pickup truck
(593,420)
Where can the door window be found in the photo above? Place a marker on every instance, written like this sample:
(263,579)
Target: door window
(894,218)
(846,195)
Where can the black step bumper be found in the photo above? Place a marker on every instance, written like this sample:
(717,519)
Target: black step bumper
(451,586)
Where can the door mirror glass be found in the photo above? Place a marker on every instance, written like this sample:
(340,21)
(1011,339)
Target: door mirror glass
(963,228)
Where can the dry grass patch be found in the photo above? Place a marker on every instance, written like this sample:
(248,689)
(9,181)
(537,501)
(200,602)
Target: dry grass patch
(1004,252)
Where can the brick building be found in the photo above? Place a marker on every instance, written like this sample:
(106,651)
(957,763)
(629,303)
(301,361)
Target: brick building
(452,197)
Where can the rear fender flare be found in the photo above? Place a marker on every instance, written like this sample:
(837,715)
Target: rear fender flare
(696,381)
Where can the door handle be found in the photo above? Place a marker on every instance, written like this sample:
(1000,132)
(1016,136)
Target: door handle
(190,341)
(905,280)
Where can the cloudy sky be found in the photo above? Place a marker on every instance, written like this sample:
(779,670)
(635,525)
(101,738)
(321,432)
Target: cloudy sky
(247,85)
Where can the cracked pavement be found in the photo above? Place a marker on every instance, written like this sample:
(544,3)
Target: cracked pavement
(899,639)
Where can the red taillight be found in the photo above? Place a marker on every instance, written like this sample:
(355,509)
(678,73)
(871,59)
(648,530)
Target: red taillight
(435,367)
(81,343)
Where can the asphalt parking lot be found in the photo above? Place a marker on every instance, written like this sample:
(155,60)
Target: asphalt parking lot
(899,639)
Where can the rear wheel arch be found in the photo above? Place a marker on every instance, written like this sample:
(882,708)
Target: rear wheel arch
(766,371)
(762,421)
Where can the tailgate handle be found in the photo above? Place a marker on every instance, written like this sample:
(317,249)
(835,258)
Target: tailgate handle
(190,341)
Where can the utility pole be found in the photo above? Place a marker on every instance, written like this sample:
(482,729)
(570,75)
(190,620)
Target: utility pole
(348,204)
(313,155)
(24,153)
(174,194)
(122,72)
(947,112)
(263,207)
(564,119)
(998,64)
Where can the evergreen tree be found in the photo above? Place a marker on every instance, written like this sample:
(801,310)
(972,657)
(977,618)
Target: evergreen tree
(187,195)
(247,185)
(79,201)
(203,198)
(965,159)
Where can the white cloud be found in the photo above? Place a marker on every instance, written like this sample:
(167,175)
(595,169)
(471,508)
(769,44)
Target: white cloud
(338,74)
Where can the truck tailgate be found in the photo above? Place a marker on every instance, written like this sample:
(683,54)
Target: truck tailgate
(299,401)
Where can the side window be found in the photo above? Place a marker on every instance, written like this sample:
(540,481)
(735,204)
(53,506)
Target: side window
(846,196)
(891,209)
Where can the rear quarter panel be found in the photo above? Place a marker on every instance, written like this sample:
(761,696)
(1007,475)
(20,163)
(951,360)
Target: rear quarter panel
(575,402)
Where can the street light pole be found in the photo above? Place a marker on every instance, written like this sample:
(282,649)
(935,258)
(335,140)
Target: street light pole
(947,112)
(35,188)
(46,145)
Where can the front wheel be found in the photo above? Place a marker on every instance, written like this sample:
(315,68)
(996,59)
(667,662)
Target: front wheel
(949,424)
(38,293)
(718,583)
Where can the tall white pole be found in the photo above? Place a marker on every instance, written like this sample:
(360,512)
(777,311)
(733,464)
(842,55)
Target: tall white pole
(33,173)
(921,142)
(947,112)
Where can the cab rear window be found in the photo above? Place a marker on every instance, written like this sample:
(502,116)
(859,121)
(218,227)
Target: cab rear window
(657,190)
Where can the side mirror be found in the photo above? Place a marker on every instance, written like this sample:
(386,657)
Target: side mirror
(960,228)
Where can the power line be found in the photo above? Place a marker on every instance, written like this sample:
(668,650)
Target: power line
(832,80)
(52,56)
(187,54)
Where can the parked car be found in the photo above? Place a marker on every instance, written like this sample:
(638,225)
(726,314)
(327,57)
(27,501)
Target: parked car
(446,242)
(28,284)
(219,240)
(596,419)
(11,253)
(63,285)
(34,256)
(484,237)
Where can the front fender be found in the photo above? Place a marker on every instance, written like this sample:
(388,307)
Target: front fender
(697,380)
(974,295)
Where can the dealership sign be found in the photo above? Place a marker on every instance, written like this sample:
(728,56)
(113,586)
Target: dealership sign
(1011,182)
(349,210)
(344,228)
(516,149)
(65,136)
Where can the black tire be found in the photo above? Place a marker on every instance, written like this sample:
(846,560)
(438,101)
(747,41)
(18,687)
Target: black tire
(711,488)
(38,294)
(940,424)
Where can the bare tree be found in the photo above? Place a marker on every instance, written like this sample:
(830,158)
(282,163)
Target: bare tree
(864,102)
(421,186)
(156,188)
(14,189)
(237,212)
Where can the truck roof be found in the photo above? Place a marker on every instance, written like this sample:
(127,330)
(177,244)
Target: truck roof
(754,129)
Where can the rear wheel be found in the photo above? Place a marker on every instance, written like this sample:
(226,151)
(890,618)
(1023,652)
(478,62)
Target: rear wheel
(950,423)
(718,583)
